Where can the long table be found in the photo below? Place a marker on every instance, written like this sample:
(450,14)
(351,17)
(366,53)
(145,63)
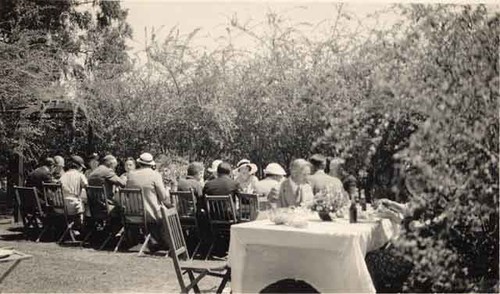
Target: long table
(327,255)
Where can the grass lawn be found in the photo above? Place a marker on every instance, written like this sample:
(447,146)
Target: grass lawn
(55,268)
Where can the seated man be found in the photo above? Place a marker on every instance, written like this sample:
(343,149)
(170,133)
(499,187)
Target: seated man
(105,175)
(155,194)
(193,179)
(348,181)
(43,174)
(319,180)
(223,184)
(295,191)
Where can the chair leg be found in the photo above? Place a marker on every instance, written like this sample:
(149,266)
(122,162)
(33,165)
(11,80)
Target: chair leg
(68,228)
(87,237)
(210,250)
(224,281)
(196,250)
(41,234)
(111,235)
(191,278)
(122,236)
(148,237)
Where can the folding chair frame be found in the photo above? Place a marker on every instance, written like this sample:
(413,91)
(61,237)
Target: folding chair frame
(33,218)
(58,202)
(178,249)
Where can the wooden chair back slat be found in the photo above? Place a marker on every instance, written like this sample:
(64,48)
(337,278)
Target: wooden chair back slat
(221,209)
(97,202)
(185,202)
(28,200)
(248,206)
(54,195)
(175,236)
(131,201)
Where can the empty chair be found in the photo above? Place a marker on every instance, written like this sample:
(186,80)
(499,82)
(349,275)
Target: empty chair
(248,208)
(182,262)
(54,199)
(32,215)
(185,203)
(99,213)
(221,215)
(131,202)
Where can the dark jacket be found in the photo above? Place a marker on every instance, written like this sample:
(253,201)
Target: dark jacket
(190,183)
(103,175)
(37,177)
(222,185)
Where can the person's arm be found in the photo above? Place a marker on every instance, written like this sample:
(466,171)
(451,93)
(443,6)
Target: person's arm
(116,180)
(161,192)
(198,190)
(401,208)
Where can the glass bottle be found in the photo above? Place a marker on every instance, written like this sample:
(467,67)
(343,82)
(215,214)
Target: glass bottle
(353,213)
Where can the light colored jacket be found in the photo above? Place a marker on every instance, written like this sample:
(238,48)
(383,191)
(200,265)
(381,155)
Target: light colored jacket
(320,181)
(291,194)
(151,183)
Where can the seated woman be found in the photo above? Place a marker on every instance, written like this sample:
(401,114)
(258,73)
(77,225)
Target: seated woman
(246,178)
(129,166)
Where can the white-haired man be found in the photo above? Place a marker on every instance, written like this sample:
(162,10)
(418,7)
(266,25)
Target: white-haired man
(295,191)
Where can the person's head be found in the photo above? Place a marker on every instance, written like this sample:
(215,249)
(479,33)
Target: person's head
(196,170)
(129,164)
(48,162)
(275,171)
(224,169)
(110,161)
(299,170)
(246,168)
(213,168)
(337,167)
(146,160)
(76,162)
(318,162)
(93,161)
(59,161)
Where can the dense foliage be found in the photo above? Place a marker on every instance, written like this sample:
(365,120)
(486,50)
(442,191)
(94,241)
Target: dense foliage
(414,108)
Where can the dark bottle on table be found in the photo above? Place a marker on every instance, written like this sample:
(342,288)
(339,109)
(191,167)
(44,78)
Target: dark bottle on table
(353,213)
(362,200)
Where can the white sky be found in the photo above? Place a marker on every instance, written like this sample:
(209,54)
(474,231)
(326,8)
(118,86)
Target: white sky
(213,18)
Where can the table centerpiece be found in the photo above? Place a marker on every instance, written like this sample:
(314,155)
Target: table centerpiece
(329,202)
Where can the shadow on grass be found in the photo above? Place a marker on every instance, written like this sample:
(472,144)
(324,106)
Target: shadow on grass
(12,237)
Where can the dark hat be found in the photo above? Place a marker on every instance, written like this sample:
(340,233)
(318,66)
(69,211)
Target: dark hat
(78,160)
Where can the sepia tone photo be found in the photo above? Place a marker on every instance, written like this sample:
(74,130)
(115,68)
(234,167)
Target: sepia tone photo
(162,146)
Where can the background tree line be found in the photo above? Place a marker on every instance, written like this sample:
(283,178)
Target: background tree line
(413,108)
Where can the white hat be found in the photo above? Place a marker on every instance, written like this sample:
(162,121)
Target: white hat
(215,165)
(274,169)
(246,162)
(147,159)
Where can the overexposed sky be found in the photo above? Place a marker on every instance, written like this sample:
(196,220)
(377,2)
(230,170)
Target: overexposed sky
(212,18)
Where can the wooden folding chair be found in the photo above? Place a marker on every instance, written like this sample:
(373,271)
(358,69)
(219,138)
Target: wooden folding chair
(99,213)
(186,204)
(54,199)
(183,264)
(221,214)
(248,208)
(32,215)
(131,202)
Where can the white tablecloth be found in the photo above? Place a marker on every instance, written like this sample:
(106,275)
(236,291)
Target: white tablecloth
(327,255)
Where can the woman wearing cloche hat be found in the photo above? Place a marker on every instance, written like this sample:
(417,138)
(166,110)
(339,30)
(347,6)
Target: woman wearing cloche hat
(246,176)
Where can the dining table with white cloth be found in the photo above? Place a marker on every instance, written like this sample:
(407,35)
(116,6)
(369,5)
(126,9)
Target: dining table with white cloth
(330,256)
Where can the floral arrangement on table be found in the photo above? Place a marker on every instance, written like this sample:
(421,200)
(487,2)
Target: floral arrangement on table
(328,202)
